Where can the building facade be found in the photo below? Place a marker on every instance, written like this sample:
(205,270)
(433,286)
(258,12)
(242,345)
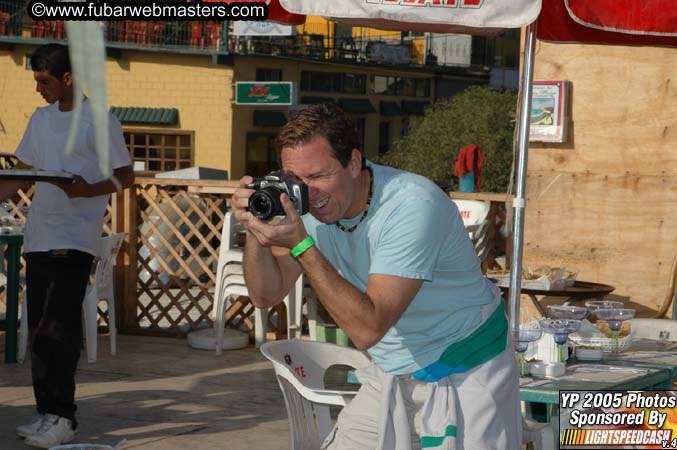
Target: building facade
(172,85)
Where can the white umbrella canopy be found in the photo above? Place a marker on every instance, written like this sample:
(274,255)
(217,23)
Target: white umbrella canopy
(436,16)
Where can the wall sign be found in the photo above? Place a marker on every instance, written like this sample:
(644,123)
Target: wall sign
(549,111)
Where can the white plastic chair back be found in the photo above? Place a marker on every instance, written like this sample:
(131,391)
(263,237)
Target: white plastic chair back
(103,276)
(475,214)
(102,289)
(300,367)
(230,284)
(229,250)
(229,255)
(664,329)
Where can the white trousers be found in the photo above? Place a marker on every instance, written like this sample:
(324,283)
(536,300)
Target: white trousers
(486,408)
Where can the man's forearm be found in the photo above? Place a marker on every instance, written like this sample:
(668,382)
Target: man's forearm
(123,175)
(351,308)
(103,188)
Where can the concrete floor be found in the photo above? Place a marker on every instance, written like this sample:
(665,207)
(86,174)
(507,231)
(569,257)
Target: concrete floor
(160,394)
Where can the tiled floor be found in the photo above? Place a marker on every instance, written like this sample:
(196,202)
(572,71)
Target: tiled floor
(160,394)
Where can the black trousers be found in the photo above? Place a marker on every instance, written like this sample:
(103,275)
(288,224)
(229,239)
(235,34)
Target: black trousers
(56,282)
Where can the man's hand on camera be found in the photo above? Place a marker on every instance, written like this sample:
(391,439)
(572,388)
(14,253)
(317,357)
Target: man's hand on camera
(240,201)
(284,231)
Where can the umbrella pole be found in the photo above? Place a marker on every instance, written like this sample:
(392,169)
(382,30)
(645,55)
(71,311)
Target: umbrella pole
(519,201)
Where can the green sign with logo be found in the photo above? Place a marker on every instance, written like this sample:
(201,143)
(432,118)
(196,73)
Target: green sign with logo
(265,93)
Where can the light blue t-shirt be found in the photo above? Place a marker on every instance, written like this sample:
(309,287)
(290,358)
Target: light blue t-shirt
(413,230)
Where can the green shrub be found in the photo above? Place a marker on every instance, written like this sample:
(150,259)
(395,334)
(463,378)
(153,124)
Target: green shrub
(480,116)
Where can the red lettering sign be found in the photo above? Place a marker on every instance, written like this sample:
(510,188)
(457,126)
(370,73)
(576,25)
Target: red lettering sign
(259,91)
(474,4)
(300,371)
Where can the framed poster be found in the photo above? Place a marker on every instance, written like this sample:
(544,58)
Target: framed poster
(549,112)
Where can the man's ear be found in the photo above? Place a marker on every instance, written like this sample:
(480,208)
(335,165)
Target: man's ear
(355,163)
(68,79)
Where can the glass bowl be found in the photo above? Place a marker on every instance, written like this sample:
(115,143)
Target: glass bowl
(594,305)
(568,312)
(521,339)
(560,328)
(615,317)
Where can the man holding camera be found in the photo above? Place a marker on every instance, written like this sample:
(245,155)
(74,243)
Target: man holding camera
(389,258)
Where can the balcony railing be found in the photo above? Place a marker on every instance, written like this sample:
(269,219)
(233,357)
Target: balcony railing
(193,37)
(311,42)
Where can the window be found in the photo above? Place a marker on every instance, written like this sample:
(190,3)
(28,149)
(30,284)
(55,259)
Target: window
(348,83)
(158,151)
(354,84)
(404,130)
(402,86)
(268,74)
(261,158)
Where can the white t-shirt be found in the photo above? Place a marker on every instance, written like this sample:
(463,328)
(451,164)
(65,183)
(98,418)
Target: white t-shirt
(54,220)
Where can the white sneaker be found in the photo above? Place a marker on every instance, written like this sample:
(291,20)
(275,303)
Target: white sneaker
(53,431)
(31,427)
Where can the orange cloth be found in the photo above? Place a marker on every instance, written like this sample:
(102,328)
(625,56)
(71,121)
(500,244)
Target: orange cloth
(470,159)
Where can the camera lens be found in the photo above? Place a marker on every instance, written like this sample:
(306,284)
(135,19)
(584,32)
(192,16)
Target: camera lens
(265,203)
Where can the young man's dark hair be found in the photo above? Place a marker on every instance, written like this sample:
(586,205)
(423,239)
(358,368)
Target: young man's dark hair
(53,58)
(326,120)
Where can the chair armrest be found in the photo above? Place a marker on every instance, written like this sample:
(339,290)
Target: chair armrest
(325,396)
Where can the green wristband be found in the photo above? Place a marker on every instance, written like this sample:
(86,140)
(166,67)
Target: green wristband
(302,247)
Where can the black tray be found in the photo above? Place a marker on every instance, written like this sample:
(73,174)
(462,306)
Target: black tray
(36,175)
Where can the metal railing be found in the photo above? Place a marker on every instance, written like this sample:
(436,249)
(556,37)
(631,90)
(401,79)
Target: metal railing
(313,41)
(184,36)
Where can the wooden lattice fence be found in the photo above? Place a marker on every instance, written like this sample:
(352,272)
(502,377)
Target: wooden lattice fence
(166,270)
(169,264)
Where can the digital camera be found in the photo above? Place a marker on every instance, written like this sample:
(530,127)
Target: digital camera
(265,202)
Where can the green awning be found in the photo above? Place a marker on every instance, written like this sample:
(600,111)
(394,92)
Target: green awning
(390,109)
(414,107)
(152,116)
(356,105)
(269,118)
(313,100)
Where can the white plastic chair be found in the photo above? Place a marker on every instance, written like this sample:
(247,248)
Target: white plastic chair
(540,435)
(100,289)
(300,367)
(230,284)
(475,218)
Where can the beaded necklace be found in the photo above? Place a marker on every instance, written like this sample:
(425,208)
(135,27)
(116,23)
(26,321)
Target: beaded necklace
(366,209)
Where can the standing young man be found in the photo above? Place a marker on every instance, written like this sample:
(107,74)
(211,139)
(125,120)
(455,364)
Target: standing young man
(63,234)
(388,255)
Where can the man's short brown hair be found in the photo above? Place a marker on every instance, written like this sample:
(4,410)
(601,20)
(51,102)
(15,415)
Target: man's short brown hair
(326,120)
